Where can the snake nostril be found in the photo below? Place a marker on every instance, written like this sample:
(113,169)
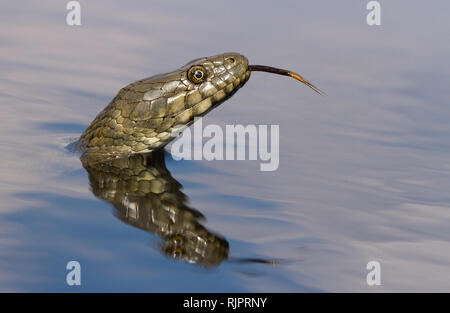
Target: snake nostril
(231,60)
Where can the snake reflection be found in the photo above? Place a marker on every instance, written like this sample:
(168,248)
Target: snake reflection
(146,196)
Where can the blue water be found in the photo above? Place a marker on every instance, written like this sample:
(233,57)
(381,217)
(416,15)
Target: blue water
(364,172)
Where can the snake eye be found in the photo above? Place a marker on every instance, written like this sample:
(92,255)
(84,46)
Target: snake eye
(197,74)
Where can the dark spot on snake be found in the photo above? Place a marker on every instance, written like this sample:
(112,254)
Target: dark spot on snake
(232,60)
(198,74)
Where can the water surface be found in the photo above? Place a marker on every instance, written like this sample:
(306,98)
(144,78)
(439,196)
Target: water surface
(364,172)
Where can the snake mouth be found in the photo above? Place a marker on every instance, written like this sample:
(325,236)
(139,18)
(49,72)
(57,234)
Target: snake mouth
(279,71)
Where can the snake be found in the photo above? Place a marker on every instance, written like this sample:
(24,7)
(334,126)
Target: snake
(146,196)
(147,114)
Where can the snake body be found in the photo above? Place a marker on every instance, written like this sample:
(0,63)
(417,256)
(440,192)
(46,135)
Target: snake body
(149,113)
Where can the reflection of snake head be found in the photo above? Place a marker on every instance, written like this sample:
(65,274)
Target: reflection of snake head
(147,114)
(207,249)
(146,196)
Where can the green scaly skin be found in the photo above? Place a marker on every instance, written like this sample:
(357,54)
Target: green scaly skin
(149,113)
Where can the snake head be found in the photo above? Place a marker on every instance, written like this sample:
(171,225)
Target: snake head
(149,113)
(197,86)
(211,80)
